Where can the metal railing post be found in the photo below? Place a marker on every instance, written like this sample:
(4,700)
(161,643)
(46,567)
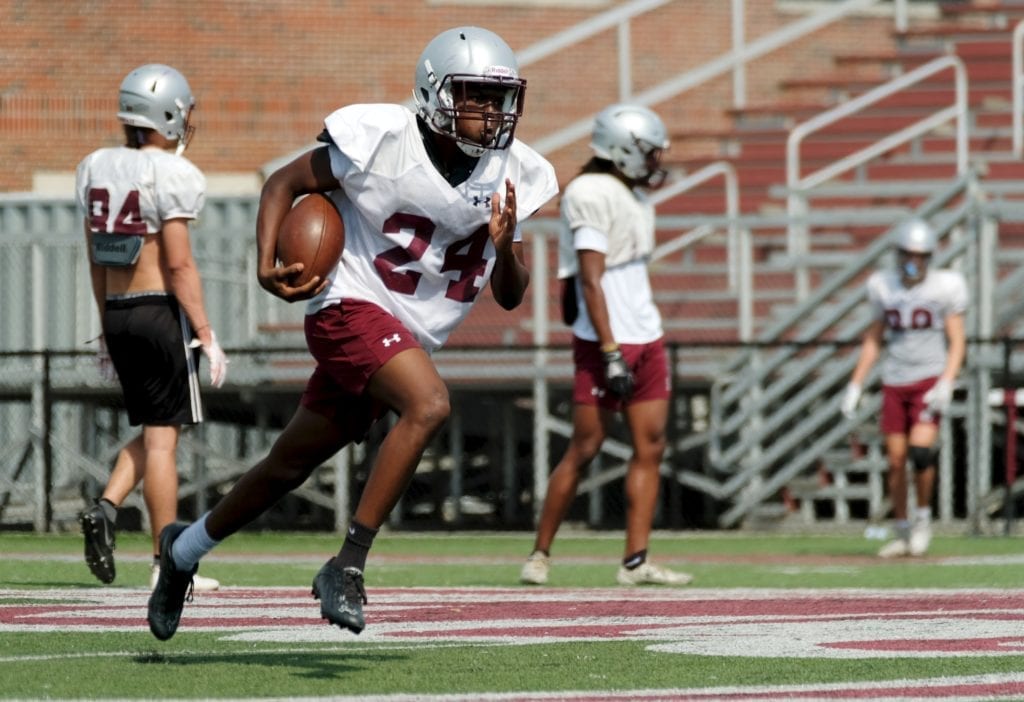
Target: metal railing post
(541,446)
(625,61)
(739,70)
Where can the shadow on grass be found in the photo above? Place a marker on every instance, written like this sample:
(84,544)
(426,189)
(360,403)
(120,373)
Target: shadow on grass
(313,664)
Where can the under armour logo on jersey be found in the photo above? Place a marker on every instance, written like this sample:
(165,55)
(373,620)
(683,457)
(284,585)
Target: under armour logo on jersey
(388,340)
(597,392)
(481,200)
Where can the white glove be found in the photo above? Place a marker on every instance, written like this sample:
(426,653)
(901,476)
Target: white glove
(850,399)
(937,399)
(103,362)
(217,358)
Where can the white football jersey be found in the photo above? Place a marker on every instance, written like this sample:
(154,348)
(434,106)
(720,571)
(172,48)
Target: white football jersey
(414,244)
(915,321)
(133,191)
(603,202)
(600,213)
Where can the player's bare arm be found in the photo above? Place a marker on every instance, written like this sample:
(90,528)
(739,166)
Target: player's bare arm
(183,276)
(591,265)
(957,337)
(511,276)
(870,350)
(308,173)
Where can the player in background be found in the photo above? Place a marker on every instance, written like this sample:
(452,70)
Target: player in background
(618,347)
(137,201)
(431,203)
(919,318)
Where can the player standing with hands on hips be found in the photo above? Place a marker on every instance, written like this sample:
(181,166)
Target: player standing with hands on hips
(138,200)
(618,347)
(919,316)
(431,203)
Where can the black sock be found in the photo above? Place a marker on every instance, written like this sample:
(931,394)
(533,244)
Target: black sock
(357,545)
(636,560)
(109,509)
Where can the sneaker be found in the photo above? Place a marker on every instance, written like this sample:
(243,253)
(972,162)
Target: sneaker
(649,574)
(897,548)
(99,543)
(535,570)
(199,583)
(172,590)
(342,596)
(920,539)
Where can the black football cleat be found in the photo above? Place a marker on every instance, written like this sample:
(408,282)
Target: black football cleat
(173,588)
(342,596)
(99,543)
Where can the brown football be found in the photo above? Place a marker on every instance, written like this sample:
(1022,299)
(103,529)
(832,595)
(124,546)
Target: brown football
(311,234)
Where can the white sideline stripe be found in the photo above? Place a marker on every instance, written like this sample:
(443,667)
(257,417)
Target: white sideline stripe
(469,593)
(709,693)
(304,560)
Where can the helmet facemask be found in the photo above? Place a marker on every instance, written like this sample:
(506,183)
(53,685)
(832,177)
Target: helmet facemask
(640,162)
(913,265)
(187,132)
(495,100)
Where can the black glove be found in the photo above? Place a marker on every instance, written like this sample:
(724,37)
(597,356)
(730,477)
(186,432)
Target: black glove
(617,375)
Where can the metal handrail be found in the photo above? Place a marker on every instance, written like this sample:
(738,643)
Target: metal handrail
(732,210)
(739,247)
(797,184)
(734,60)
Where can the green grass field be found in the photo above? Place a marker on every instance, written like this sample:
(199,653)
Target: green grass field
(767,617)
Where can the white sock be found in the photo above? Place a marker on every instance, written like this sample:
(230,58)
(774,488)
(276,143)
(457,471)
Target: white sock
(191,545)
(902,528)
(923,515)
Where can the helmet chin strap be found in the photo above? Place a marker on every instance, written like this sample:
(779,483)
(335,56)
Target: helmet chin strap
(470,149)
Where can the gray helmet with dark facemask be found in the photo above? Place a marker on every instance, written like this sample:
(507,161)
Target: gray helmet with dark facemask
(157,97)
(458,60)
(914,236)
(632,137)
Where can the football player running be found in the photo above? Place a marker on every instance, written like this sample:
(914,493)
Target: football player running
(919,318)
(618,347)
(432,202)
(138,200)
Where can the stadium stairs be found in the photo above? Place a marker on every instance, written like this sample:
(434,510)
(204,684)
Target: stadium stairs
(828,476)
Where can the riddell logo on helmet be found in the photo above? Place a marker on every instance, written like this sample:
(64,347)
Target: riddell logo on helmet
(499,71)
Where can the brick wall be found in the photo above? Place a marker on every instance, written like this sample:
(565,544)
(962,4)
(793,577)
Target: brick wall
(266,73)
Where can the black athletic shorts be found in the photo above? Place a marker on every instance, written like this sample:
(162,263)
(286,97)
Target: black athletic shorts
(147,336)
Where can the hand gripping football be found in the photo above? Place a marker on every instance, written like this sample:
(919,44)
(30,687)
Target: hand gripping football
(312,234)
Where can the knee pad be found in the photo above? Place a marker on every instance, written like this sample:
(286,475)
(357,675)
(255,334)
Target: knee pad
(923,458)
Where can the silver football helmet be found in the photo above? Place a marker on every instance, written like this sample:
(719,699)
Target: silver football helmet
(157,97)
(632,137)
(914,236)
(458,60)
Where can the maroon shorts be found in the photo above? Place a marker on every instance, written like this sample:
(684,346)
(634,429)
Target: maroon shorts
(350,342)
(903,406)
(649,364)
